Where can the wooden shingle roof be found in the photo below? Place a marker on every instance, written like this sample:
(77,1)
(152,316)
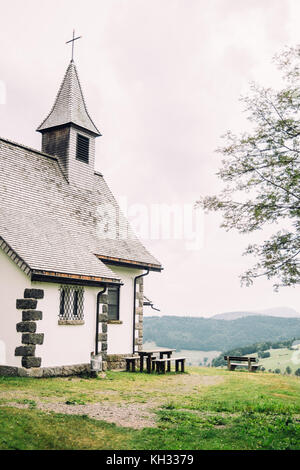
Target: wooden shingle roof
(56,227)
(69,106)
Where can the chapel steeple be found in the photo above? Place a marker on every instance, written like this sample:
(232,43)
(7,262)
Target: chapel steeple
(69,106)
(68,131)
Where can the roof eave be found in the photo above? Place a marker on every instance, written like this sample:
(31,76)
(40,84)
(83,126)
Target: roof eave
(70,123)
(65,278)
(130,263)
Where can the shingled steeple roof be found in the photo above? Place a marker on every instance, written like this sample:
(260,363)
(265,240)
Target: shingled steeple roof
(69,106)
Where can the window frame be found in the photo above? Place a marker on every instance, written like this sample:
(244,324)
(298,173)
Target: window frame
(117,290)
(71,303)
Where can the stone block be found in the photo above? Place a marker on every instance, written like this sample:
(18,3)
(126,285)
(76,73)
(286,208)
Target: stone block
(26,304)
(26,327)
(32,315)
(104,308)
(8,371)
(35,372)
(33,294)
(31,361)
(102,337)
(104,299)
(32,338)
(103,317)
(25,350)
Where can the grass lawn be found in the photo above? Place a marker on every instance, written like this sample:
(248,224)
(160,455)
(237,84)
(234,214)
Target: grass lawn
(202,409)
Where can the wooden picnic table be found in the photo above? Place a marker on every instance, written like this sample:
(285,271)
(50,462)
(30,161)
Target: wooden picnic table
(148,353)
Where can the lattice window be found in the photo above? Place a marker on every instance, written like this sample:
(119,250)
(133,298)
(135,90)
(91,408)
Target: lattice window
(113,303)
(71,303)
(82,150)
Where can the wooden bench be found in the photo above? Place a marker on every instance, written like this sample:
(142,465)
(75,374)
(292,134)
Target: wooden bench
(131,363)
(161,364)
(239,360)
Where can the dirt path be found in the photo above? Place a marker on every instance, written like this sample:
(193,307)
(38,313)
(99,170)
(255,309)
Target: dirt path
(134,415)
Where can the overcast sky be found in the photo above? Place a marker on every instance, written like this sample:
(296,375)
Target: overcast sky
(162,80)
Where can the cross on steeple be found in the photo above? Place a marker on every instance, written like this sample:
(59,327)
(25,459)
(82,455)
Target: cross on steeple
(72,41)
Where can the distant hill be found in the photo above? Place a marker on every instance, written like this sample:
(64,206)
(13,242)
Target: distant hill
(208,334)
(233,315)
(284,312)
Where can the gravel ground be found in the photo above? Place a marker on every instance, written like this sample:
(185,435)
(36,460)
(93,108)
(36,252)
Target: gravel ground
(134,415)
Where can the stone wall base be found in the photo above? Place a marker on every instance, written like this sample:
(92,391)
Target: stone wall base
(39,372)
(116,361)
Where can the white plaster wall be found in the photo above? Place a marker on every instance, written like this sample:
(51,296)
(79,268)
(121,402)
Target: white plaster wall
(65,344)
(13,281)
(72,344)
(120,336)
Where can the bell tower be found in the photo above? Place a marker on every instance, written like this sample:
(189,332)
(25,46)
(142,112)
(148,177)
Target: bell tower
(69,133)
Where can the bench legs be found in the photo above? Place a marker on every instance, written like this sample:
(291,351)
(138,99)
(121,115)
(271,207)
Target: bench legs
(149,364)
(132,363)
(181,361)
(250,369)
(169,362)
(161,366)
(230,366)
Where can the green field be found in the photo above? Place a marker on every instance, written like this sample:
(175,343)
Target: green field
(205,408)
(280,359)
(193,357)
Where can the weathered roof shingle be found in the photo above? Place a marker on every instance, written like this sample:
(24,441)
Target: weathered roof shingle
(69,106)
(55,226)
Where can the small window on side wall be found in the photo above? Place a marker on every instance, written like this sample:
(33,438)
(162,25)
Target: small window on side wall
(71,303)
(113,303)
(82,149)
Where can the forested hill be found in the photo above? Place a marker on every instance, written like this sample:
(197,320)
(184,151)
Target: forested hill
(207,334)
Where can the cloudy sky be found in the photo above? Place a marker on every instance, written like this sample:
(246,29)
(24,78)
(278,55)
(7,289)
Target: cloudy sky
(162,81)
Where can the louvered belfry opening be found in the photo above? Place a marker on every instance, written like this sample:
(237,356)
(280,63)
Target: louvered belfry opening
(82,149)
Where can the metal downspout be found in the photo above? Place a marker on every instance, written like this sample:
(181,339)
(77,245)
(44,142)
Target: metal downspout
(97,319)
(134,307)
